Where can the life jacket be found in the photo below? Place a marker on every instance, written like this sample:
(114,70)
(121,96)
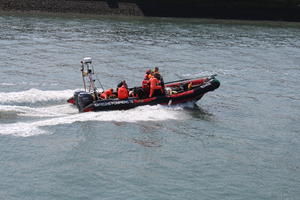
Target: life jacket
(122,92)
(106,94)
(145,84)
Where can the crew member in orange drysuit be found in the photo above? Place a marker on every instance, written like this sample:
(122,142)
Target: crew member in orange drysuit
(155,87)
(123,92)
(106,94)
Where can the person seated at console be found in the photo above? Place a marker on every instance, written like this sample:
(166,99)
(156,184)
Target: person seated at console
(123,92)
(121,84)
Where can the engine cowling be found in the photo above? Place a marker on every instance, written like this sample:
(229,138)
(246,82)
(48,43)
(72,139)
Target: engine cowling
(76,93)
(84,99)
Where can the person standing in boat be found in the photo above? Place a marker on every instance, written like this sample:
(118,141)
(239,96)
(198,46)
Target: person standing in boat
(148,74)
(146,83)
(160,78)
(155,87)
(123,92)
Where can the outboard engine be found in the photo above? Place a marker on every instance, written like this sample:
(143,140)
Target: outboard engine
(76,96)
(83,100)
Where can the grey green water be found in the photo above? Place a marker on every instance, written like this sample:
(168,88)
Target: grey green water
(241,141)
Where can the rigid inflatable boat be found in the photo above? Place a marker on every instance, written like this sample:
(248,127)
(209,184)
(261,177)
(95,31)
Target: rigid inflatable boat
(176,92)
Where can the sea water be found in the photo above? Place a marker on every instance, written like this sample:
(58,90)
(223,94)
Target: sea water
(240,141)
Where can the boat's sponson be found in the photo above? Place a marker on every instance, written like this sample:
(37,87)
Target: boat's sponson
(204,86)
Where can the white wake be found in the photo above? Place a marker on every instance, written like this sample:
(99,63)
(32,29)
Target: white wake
(68,114)
(29,120)
(34,96)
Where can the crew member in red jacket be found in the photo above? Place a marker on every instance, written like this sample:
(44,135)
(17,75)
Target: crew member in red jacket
(123,92)
(146,83)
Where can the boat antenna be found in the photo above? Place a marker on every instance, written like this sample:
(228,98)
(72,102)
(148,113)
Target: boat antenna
(87,62)
(83,74)
(99,82)
(93,72)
